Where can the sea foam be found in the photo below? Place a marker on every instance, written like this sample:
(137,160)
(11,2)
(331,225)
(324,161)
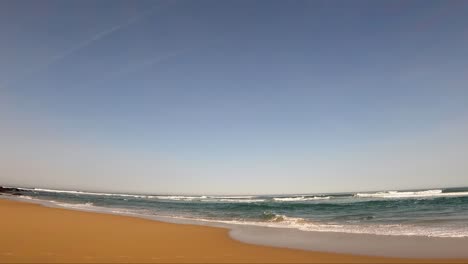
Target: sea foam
(417,194)
(300,198)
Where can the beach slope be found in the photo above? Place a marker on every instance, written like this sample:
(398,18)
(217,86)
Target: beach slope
(34,233)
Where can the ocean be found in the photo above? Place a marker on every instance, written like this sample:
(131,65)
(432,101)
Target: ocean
(426,213)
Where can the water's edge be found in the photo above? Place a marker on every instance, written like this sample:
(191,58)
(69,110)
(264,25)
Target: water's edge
(332,242)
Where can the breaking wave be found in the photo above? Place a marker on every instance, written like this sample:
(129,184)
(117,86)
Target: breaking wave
(84,193)
(300,198)
(416,194)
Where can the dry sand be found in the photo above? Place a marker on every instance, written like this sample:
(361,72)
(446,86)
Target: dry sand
(34,233)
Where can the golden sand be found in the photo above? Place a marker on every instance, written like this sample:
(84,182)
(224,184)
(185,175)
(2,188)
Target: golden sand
(34,233)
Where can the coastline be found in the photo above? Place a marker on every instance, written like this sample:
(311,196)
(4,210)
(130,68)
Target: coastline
(35,233)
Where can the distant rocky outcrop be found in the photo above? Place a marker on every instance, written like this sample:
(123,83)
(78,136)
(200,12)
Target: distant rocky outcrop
(12,191)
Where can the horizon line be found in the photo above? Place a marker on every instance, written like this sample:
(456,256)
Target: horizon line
(207,194)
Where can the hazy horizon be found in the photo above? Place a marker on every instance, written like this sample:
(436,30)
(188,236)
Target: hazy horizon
(222,194)
(240,97)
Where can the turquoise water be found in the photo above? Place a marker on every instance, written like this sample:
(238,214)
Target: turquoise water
(435,213)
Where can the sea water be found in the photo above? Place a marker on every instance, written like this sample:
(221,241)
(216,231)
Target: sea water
(419,213)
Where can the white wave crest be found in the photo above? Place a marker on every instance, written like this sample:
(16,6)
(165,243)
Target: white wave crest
(241,200)
(287,220)
(179,198)
(418,194)
(26,197)
(85,193)
(282,221)
(232,197)
(75,206)
(300,198)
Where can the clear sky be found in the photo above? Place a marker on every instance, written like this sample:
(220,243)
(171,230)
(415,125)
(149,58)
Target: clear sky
(233,96)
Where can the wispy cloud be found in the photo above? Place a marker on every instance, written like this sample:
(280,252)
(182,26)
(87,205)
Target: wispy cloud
(84,44)
(98,36)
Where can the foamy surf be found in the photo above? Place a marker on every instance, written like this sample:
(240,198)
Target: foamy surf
(179,198)
(418,194)
(240,200)
(71,205)
(300,198)
(283,221)
(83,193)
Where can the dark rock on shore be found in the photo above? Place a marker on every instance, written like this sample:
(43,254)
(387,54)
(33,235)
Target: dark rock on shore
(12,191)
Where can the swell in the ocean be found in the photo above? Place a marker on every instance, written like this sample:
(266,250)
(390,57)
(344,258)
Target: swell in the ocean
(415,194)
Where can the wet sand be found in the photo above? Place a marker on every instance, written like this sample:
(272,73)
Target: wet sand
(34,233)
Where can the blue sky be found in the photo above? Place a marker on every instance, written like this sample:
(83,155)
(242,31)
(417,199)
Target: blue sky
(234,96)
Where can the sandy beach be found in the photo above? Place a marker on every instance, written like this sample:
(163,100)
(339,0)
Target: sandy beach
(34,233)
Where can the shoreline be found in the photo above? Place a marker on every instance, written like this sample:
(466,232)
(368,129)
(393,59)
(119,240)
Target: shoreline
(392,246)
(80,236)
